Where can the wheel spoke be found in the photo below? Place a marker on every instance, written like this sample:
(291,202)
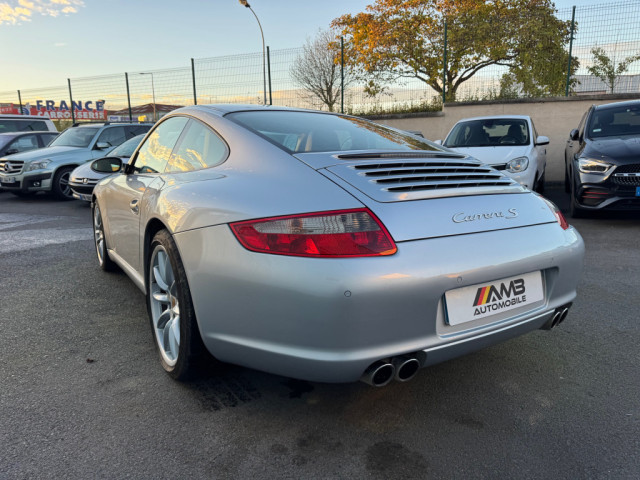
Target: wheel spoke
(159,278)
(161,297)
(174,336)
(163,319)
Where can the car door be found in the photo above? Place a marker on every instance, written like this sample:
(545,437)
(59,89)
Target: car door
(126,192)
(539,151)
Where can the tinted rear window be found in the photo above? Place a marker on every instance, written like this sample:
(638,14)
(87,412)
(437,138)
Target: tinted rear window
(16,125)
(298,132)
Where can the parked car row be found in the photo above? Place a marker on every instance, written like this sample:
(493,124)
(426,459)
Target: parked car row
(49,169)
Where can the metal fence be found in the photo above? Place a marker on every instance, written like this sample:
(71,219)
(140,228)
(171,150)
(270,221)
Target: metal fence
(239,78)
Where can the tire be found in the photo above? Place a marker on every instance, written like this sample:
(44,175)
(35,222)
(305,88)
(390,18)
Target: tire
(171,313)
(61,189)
(540,184)
(100,240)
(574,209)
(567,185)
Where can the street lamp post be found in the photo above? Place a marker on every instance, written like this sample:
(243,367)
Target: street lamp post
(264,68)
(153,92)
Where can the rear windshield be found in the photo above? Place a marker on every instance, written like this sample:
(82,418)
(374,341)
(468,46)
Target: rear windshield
(298,132)
(614,122)
(75,137)
(489,133)
(17,125)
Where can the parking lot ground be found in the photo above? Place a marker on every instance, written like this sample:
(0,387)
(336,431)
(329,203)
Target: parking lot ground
(82,394)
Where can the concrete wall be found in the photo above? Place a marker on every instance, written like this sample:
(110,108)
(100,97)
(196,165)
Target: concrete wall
(554,118)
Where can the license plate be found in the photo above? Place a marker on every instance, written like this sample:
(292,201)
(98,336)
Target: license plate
(8,179)
(637,191)
(484,300)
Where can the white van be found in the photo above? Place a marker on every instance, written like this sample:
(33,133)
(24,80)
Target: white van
(25,123)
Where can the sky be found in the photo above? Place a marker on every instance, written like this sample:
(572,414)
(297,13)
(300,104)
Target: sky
(47,41)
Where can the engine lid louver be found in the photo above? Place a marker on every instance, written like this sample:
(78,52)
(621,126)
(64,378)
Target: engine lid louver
(409,179)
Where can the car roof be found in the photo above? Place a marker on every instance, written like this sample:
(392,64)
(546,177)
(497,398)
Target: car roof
(493,117)
(27,117)
(617,104)
(222,109)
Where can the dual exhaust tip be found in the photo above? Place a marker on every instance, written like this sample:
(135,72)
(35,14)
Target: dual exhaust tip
(558,317)
(401,369)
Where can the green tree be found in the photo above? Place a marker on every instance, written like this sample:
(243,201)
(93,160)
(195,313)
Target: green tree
(396,39)
(606,69)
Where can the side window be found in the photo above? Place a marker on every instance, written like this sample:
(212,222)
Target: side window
(535,132)
(47,138)
(114,136)
(135,130)
(198,148)
(582,122)
(156,150)
(32,126)
(22,144)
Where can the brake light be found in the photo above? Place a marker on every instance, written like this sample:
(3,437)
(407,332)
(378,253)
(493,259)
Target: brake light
(556,211)
(344,233)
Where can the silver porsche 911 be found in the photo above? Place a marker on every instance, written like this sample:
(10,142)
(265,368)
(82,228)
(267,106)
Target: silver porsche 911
(326,247)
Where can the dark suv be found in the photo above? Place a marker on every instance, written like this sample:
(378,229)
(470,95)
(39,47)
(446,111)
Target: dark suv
(602,159)
(48,169)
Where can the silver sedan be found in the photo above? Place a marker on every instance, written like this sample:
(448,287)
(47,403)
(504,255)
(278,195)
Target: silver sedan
(326,247)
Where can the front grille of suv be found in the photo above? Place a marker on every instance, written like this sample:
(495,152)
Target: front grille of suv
(11,166)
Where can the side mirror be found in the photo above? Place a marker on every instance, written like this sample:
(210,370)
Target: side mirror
(11,151)
(103,145)
(438,142)
(107,165)
(574,134)
(542,140)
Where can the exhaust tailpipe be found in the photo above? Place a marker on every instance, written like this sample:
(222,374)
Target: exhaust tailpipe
(406,368)
(558,317)
(563,315)
(379,374)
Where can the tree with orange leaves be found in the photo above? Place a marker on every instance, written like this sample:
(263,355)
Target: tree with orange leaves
(396,39)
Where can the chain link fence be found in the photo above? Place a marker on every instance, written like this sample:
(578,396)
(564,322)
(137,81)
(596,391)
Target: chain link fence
(610,29)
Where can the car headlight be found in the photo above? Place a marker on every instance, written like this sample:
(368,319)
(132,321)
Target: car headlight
(590,165)
(39,165)
(517,165)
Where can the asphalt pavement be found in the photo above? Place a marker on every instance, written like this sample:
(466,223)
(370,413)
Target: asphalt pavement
(82,393)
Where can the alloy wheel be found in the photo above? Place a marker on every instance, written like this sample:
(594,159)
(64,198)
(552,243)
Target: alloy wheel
(98,234)
(165,309)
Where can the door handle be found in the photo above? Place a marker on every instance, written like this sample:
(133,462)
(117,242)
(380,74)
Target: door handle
(134,206)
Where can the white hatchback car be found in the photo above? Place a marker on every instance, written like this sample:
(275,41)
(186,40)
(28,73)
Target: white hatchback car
(506,142)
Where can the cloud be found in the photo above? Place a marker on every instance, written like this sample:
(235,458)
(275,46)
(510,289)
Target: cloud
(14,12)
(60,44)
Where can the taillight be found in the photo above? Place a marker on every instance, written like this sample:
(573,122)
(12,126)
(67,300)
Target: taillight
(556,211)
(344,233)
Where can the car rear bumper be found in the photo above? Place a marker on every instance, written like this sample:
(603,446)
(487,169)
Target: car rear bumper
(330,319)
